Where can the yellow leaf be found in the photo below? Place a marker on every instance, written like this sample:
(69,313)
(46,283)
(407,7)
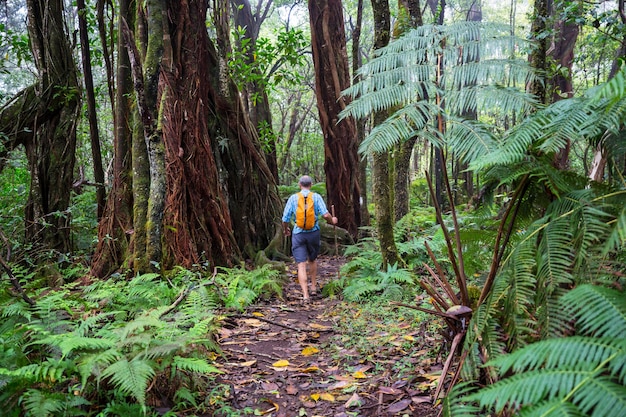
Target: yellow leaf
(359,375)
(315,396)
(256,313)
(318,326)
(281,363)
(311,369)
(309,350)
(408,337)
(328,397)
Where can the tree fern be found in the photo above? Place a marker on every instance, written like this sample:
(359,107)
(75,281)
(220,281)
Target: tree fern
(404,76)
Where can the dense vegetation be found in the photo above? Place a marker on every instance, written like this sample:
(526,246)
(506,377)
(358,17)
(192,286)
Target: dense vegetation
(513,241)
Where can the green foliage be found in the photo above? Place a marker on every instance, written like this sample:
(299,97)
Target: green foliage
(267,62)
(80,348)
(584,374)
(481,73)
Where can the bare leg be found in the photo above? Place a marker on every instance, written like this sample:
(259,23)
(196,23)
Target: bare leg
(313,274)
(302,280)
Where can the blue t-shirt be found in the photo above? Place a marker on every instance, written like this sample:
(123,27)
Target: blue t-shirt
(292,204)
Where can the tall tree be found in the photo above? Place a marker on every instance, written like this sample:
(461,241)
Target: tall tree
(332,76)
(51,147)
(411,14)
(96,153)
(116,227)
(537,58)
(381,177)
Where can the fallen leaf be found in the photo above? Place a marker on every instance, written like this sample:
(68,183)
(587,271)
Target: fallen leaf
(281,363)
(341,385)
(269,386)
(310,369)
(256,313)
(399,406)
(326,396)
(253,322)
(319,326)
(291,390)
(315,396)
(359,375)
(408,337)
(390,390)
(353,401)
(247,364)
(309,350)
(421,399)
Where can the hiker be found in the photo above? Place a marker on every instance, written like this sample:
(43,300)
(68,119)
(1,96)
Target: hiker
(306,207)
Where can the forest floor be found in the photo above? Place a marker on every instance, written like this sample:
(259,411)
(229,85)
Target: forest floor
(282,358)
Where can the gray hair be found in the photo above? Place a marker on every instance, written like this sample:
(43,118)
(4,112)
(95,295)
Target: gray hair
(305,181)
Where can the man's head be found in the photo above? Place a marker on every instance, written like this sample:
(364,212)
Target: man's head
(305,181)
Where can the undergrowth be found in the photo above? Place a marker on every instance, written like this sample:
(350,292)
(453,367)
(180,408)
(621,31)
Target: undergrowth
(120,347)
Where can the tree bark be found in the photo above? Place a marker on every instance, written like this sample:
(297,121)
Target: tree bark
(51,148)
(332,76)
(96,153)
(115,229)
(538,55)
(360,124)
(381,178)
(198,223)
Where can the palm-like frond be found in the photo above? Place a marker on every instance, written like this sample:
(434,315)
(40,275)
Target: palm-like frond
(196,365)
(479,69)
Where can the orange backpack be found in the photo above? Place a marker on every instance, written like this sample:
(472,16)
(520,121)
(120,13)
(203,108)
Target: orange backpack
(305,213)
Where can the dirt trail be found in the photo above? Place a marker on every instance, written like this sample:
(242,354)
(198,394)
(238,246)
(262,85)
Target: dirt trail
(278,360)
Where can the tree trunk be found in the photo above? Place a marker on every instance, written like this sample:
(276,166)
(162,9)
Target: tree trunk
(96,154)
(115,229)
(332,76)
(381,179)
(51,149)
(600,158)
(402,157)
(360,124)
(197,220)
(538,55)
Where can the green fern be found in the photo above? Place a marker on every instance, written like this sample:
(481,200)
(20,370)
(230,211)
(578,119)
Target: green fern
(579,375)
(131,377)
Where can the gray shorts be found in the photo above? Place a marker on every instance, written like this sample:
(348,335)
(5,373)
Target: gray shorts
(305,246)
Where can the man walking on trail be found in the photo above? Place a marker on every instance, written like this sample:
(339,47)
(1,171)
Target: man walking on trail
(306,207)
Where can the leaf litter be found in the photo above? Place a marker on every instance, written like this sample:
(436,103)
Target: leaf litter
(284,359)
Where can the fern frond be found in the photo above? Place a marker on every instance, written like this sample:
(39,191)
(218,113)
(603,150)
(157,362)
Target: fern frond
(554,408)
(196,365)
(131,377)
(570,352)
(533,386)
(40,404)
(600,312)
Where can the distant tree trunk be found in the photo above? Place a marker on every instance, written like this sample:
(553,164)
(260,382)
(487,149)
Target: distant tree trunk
(96,153)
(402,156)
(381,179)
(115,229)
(51,149)
(562,52)
(255,95)
(598,164)
(332,76)
(538,55)
(360,123)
